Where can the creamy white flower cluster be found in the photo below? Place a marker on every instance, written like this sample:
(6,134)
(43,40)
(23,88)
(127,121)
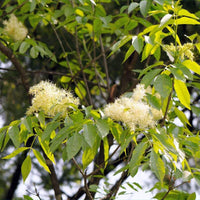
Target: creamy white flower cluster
(184,50)
(14,28)
(50,99)
(135,112)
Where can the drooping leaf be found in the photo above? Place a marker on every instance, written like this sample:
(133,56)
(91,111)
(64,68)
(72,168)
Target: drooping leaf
(163,85)
(137,156)
(181,115)
(149,77)
(103,127)
(137,43)
(48,130)
(13,132)
(41,160)
(182,93)
(73,145)
(16,152)
(165,19)
(145,6)
(90,133)
(26,167)
(157,165)
(132,6)
(186,20)
(192,66)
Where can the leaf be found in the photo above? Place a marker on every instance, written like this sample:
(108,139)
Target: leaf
(26,167)
(192,66)
(24,47)
(132,6)
(28,123)
(48,130)
(34,52)
(120,43)
(41,160)
(181,116)
(157,165)
(137,156)
(89,154)
(58,139)
(26,197)
(13,132)
(145,6)
(186,20)
(182,93)
(128,53)
(165,20)
(73,145)
(137,43)
(153,101)
(147,51)
(178,74)
(16,152)
(80,90)
(184,12)
(103,127)
(89,133)
(163,85)
(106,150)
(148,78)
(187,73)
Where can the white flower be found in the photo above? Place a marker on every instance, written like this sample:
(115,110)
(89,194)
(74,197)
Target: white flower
(15,29)
(134,111)
(50,99)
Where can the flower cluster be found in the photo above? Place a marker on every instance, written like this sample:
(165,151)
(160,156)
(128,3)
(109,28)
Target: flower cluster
(135,112)
(183,50)
(50,99)
(15,29)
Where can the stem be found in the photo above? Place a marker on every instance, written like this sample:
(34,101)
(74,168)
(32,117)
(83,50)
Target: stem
(85,179)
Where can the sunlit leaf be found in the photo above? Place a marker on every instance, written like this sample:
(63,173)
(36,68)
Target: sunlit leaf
(26,168)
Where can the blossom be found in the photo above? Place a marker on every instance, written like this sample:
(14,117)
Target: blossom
(15,29)
(50,99)
(184,50)
(135,112)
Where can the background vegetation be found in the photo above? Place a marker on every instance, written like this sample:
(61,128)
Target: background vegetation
(100,50)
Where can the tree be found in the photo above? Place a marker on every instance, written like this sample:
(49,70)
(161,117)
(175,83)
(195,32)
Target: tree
(127,72)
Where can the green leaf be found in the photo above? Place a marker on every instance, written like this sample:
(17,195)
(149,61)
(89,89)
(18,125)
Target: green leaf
(132,6)
(129,53)
(89,133)
(145,6)
(13,132)
(33,5)
(186,13)
(103,127)
(182,93)
(34,52)
(165,20)
(41,160)
(80,90)
(137,43)
(73,145)
(26,167)
(16,152)
(192,66)
(28,123)
(48,130)
(137,156)
(89,154)
(149,77)
(106,150)
(186,20)
(181,116)
(26,197)
(157,165)
(192,196)
(163,85)
(178,74)
(120,43)
(185,70)
(147,51)
(24,47)
(58,139)
(153,101)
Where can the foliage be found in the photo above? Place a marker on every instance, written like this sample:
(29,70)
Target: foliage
(80,44)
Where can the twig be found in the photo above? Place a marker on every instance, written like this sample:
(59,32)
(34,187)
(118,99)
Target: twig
(85,180)
(105,63)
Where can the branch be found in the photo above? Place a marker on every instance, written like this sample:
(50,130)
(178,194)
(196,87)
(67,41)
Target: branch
(54,179)
(88,194)
(6,51)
